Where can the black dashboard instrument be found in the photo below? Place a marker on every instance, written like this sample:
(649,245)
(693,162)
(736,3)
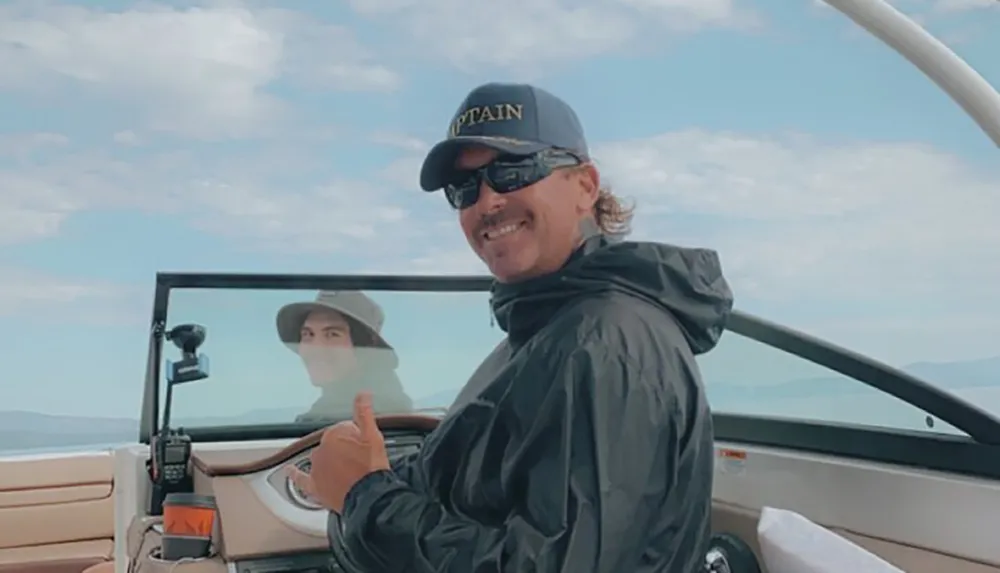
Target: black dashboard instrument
(192,366)
(169,468)
(310,562)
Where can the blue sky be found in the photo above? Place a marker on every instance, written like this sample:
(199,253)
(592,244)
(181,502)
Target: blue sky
(847,195)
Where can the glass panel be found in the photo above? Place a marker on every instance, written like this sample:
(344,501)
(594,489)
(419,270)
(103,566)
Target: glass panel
(743,376)
(437,340)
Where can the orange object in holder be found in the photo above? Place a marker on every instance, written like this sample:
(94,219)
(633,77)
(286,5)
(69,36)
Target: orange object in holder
(188,520)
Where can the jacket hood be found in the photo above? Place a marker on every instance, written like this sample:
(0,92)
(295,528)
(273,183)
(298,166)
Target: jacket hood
(688,283)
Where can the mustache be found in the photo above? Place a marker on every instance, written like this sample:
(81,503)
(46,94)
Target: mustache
(491,220)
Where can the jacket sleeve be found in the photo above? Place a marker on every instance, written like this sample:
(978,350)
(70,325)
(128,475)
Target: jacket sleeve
(406,469)
(581,438)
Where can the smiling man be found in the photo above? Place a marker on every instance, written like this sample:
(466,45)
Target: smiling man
(584,441)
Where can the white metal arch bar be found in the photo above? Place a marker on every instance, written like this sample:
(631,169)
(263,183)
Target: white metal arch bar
(951,73)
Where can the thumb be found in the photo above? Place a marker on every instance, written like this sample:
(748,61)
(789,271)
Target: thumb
(364,415)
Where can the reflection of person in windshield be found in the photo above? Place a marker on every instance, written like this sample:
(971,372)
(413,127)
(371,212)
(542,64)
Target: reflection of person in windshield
(339,340)
(584,441)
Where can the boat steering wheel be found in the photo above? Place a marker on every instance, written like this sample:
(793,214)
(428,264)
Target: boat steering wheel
(417,422)
(335,538)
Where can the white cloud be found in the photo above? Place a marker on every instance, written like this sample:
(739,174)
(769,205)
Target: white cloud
(40,298)
(399,141)
(41,185)
(199,71)
(18,145)
(127,137)
(794,217)
(339,216)
(791,213)
(964,5)
(23,287)
(525,34)
(27,291)
(326,55)
(403,172)
(25,222)
(261,200)
(356,77)
(694,14)
(28,210)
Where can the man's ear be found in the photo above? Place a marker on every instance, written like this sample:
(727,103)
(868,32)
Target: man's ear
(589,180)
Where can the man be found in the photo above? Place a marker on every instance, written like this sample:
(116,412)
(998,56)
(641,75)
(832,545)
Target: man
(338,336)
(583,443)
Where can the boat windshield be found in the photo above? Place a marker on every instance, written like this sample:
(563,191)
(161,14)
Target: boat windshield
(300,356)
(287,356)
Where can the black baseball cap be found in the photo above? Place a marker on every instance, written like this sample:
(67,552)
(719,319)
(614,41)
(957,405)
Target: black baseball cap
(518,119)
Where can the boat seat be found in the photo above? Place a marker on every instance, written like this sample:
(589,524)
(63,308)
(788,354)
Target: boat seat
(728,553)
(791,543)
(105,567)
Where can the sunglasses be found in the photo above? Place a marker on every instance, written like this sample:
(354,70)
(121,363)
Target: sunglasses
(506,174)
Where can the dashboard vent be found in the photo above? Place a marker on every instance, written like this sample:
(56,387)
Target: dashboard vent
(398,446)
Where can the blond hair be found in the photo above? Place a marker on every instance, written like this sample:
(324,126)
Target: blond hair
(613,215)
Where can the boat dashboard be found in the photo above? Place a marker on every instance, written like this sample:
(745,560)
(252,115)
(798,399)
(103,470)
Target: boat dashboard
(265,524)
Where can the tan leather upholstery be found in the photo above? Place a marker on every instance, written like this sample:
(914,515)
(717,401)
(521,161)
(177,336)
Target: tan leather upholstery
(56,513)
(106,567)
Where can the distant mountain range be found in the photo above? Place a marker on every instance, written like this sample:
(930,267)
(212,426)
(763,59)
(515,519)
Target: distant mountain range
(951,376)
(20,430)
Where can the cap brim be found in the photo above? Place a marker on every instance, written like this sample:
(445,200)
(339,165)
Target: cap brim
(440,161)
(290,318)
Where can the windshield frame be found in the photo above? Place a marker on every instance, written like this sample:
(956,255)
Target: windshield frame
(921,449)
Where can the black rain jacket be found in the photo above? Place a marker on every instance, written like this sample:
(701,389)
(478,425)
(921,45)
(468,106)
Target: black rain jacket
(582,444)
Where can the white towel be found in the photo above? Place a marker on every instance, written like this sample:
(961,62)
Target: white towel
(790,543)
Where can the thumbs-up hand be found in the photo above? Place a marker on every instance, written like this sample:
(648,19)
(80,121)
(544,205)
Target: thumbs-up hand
(347,452)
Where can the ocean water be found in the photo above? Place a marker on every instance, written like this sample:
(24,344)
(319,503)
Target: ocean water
(74,449)
(866,407)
